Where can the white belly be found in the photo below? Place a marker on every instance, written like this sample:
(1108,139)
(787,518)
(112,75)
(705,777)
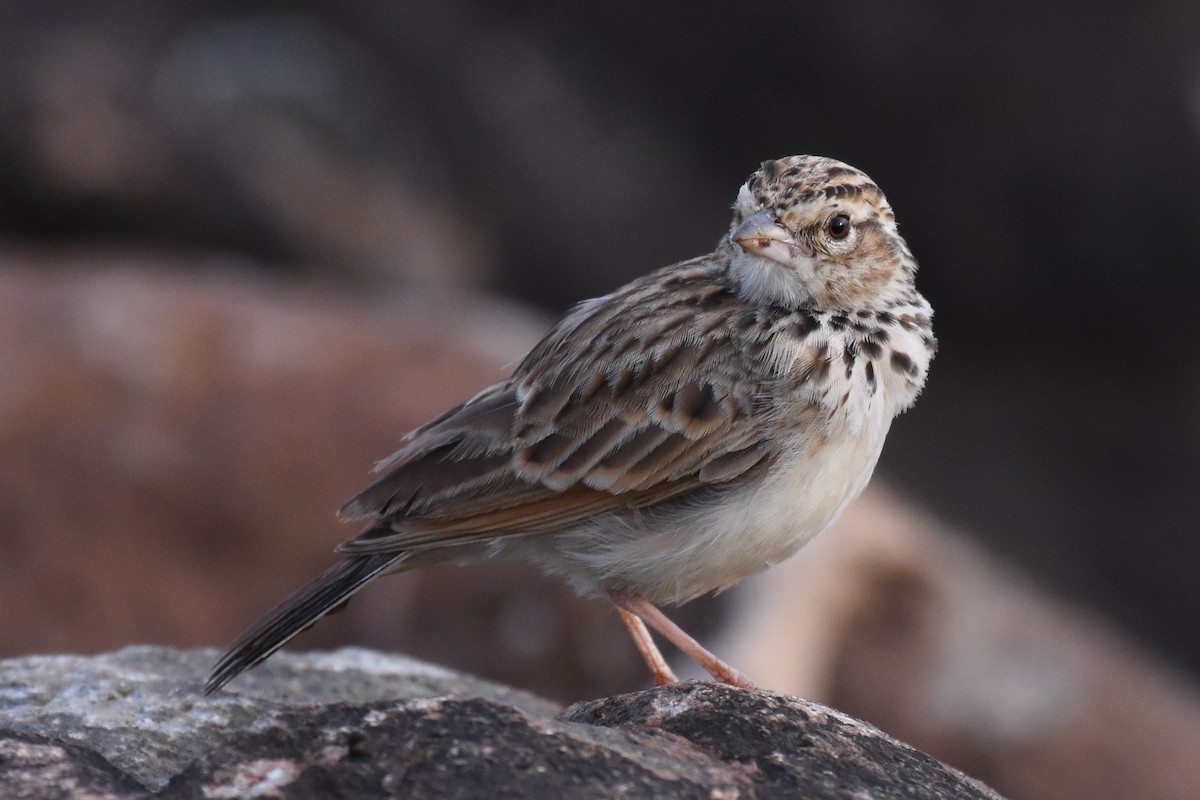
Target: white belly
(713,545)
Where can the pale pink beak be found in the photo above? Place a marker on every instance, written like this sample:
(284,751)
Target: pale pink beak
(762,235)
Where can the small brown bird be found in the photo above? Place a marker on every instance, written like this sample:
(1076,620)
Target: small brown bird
(690,429)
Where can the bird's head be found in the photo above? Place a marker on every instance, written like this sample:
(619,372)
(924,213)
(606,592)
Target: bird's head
(812,231)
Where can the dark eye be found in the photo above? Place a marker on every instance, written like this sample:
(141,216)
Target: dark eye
(839,226)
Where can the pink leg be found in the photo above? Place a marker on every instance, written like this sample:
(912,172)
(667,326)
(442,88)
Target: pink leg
(645,645)
(643,610)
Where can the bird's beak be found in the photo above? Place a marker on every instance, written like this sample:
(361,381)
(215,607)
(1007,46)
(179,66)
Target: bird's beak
(762,235)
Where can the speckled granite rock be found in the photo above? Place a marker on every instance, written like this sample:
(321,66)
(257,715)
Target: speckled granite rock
(354,723)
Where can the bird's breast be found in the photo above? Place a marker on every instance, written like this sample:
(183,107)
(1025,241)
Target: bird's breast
(855,375)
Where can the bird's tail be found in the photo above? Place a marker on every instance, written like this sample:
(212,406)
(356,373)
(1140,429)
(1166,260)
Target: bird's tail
(328,590)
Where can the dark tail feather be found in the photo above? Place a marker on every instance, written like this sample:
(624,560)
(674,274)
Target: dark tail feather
(328,590)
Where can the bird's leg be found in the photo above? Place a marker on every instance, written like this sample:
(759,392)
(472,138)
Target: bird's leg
(635,610)
(645,645)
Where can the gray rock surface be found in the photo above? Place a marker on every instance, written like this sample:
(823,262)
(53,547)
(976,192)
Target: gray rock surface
(355,723)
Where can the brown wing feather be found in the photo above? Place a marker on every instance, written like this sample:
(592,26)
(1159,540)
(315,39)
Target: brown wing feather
(463,448)
(630,401)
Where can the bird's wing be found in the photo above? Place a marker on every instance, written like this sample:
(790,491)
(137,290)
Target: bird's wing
(633,399)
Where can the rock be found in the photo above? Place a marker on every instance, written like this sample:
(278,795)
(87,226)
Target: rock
(354,723)
(142,708)
(785,746)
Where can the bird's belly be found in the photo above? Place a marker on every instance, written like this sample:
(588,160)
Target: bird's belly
(801,500)
(675,554)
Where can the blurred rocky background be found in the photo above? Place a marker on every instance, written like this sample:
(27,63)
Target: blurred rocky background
(245,246)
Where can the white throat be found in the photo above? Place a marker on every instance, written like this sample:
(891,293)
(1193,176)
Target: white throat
(767,282)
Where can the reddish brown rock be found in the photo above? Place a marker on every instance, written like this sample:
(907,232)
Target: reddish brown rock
(173,449)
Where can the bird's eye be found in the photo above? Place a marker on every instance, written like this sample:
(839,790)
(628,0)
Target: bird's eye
(839,226)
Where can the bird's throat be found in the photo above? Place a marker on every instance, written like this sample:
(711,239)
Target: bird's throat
(765,281)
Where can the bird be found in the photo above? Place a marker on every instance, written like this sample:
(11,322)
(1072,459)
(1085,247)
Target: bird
(670,438)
